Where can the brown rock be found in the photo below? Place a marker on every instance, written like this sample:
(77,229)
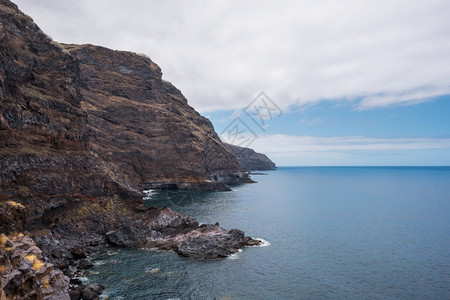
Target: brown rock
(85,264)
(78,252)
(2,293)
(57,254)
(75,295)
(143,126)
(45,155)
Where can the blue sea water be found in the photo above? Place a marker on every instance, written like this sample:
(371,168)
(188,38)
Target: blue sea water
(334,232)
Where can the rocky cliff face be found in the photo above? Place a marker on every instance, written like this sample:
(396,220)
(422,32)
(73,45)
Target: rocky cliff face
(45,156)
(142,126)
(251,160)
(87,121)
(83,129)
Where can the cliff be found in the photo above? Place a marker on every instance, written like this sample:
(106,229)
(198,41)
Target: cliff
(87,121)
(45,156)
(251,160)
(143,127)
(83,129)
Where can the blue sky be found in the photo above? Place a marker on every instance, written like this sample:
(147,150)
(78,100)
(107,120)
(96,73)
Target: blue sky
(360,82)
(336,133)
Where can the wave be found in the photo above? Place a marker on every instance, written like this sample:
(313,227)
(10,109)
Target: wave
(83,279)
(152,270)
(99,262)
(234,255)
(264,243)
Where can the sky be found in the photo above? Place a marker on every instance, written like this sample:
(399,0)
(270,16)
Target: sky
(309,83)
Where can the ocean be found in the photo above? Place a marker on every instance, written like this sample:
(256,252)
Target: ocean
(330,232)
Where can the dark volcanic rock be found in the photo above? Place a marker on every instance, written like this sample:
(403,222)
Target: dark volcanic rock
(91,292)
(143,127)
(213,246)
(75,295)
(78,252)
(251,160)
(85,264)
(13,217)
(126,237)
(171,230)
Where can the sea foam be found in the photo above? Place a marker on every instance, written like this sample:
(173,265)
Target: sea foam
(264,243)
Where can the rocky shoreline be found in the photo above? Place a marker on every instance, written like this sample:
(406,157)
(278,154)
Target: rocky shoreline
(47,263)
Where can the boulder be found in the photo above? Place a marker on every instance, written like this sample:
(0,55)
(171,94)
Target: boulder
(78,252)
(126,237)
(92,292)
(85,264)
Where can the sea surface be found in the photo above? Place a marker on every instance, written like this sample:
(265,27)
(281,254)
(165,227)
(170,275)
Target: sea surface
(334,232)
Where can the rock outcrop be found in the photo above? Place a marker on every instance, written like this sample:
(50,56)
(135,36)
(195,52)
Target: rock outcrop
(251,160)
(24,274)
(169,230)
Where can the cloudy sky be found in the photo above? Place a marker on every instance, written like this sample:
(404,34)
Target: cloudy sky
(347,82)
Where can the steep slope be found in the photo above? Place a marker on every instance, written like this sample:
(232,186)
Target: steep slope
(45,156)
(251,160)
(143,127)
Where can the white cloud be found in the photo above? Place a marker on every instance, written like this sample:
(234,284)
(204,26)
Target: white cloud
(350,150)
(405,98)
(221,54)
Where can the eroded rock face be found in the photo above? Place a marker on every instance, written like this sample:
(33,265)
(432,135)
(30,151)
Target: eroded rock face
(13,217)
(142,125)
(24,274)
(45,156)
(251,160)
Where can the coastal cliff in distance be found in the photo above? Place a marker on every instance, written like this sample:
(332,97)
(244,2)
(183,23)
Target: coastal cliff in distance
(251,160)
